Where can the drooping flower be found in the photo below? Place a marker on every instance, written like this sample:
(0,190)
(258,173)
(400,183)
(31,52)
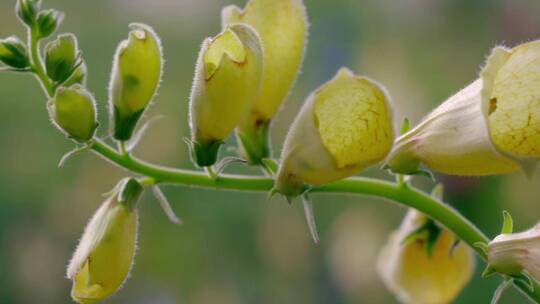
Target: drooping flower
(417,277)
(489,127)
(343,127)
(103,259)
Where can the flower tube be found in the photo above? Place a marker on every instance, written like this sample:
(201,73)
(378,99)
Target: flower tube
(489,127)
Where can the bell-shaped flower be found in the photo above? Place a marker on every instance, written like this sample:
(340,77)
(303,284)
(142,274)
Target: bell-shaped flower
(283,28)
(226,83)
(103,259)
(510,253)
(135,77)
(489,127)
(343,127)
(73,110)
(417,275)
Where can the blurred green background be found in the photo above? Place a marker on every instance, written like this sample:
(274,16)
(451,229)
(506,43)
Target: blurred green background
(237,247)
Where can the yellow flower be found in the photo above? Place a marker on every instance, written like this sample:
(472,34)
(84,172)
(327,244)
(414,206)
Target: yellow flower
(135,78)
(227,79)
(490,127)
(73,110)
(283,28)
(343,127)
(416,277)
(103,258)
(510,253)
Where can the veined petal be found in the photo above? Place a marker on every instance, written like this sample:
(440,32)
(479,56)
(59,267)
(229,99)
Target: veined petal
(343,127)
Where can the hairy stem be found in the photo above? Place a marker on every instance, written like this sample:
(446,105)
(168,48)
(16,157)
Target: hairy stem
(399,192)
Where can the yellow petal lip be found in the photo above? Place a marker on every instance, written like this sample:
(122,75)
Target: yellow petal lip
(225,46)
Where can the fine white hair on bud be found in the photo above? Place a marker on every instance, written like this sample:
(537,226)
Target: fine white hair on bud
(344,126)
(136,74)
(73,111)
(104,257)
(417,275)
(510,253)
(489,127)
(227,80)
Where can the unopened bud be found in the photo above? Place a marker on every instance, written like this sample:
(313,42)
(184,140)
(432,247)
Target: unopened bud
(343,127)
(48,21)
(27,10)
(62,57)
(13,53)
(78,76)
(73,110)
(104,257)
(226,83)
(510,253)
(283,28)
(135,78)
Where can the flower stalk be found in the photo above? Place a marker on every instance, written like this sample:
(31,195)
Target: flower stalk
(399,192)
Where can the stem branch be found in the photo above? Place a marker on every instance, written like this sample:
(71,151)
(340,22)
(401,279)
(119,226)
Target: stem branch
(398,192)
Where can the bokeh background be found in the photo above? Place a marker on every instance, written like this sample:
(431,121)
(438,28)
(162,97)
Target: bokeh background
(237,247)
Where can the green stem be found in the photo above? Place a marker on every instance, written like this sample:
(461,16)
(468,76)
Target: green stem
(398,192)
(37,63)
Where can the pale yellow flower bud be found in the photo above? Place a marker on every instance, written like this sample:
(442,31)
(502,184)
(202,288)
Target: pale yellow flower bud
(227,80)
(513,252)
(105,253)
(135,77)
(490,127)
(283,28)
(343,127)
(416,277)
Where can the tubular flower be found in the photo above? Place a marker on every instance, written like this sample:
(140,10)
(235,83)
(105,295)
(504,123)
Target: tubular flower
(135,77)
(513,252)
(343,127)
(103,258)
(73,110)
(283,28)
(416,276)
(490,127)
(226,83)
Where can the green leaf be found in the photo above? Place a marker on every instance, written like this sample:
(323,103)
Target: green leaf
(74,152)
(482,246)
(508,223)
(308,210)
(438,191)
(488,271)
(405,126)
(499,291)
(166,206)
